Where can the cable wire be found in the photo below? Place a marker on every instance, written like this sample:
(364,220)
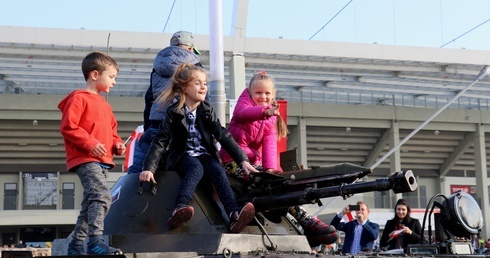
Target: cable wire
(168,18)
(465,33)
(483,73)
(330,19)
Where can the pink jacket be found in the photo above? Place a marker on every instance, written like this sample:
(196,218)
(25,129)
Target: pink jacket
(254,133)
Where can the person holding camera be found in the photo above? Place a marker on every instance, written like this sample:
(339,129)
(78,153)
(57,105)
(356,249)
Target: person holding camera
(360,233)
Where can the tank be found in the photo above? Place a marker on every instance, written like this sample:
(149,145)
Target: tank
(137,220)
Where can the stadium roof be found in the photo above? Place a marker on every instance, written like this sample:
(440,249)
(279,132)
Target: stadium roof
(47,61)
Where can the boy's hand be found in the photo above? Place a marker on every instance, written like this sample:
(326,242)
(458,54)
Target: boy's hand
(99,150)
(120,148)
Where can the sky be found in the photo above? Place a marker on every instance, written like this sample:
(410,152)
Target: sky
(460,24)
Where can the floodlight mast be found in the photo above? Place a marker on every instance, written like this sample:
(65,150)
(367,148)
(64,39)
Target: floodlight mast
(483,73)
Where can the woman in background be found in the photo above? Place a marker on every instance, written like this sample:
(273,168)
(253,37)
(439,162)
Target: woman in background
(402,230)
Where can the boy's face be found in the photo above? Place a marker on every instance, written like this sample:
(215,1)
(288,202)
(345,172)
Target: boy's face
(105,80)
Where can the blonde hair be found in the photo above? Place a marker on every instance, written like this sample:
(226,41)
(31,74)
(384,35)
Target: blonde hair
(182,76)
(281,127)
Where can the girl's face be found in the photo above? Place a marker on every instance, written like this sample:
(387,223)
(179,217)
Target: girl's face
(196,90)
(106,80)
(262,92)
(401,211)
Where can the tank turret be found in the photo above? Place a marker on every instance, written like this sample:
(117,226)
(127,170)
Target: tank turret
(137,219)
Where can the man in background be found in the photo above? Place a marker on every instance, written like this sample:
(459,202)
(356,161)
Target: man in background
(360,233)
(180,51)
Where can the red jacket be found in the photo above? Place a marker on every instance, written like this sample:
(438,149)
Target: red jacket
(256,134)
(87,119)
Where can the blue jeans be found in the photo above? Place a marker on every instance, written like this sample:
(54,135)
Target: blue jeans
(193,169)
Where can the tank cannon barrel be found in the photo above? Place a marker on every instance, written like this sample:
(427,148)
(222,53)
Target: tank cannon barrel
(399,182)
(137,221)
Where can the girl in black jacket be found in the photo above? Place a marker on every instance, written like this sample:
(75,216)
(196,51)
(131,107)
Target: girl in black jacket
(187,139)
(402,230)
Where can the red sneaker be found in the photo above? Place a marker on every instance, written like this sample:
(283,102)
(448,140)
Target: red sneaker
(314,225)
(240,218)
(316,240)
(316,231)
(180,215)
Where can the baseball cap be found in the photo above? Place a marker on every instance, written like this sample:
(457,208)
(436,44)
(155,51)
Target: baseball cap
(183,38)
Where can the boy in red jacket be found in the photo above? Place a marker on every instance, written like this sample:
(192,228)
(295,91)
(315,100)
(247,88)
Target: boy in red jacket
(89,129)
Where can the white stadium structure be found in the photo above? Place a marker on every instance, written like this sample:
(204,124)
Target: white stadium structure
(346,103)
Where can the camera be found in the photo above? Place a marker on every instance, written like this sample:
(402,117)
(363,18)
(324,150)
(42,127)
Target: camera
(354,207)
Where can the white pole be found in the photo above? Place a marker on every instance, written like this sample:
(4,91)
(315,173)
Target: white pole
(216,60)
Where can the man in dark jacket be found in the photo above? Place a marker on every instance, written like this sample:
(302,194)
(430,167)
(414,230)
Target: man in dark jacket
(360,233)
(181,50)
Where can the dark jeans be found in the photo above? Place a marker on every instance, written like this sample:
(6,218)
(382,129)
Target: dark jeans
(193,169)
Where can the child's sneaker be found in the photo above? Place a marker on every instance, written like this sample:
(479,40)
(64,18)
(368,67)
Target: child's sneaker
(298,212)
(76,248)
(100,247)
(313,225)
(319,239)
(316,231)
(180,215)
(240,218)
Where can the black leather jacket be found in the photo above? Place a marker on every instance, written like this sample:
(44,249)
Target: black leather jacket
(172,135)
(414,238)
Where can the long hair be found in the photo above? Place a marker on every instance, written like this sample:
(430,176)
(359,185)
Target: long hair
(281,127)
(183,74)
(404,203)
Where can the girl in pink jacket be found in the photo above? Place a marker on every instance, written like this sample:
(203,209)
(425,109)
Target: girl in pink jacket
(256,126)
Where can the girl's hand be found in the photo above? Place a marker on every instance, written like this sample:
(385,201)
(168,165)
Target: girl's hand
(273,171)
(147,176)
(247,168)
(407,230)
(272,111)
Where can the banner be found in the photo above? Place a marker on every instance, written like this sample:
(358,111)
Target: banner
(128,160)
(470,189)
(349,216)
